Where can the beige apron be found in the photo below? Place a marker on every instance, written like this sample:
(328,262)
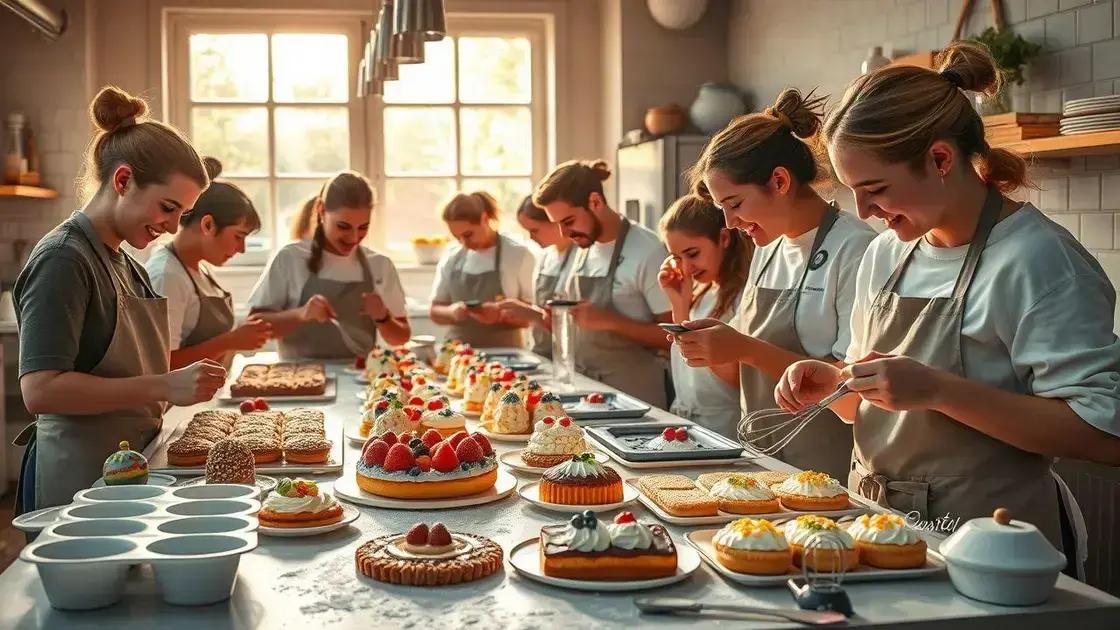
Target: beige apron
(485,286)
(215,312)
(322,340)
(702,396)
(921,462)
(770,315)
(609,357)
(545,290)
(69,451)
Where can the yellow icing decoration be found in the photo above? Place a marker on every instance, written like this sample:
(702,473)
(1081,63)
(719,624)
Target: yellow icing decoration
(882,521)
(812,521)
(748,526)
(813,477)
(740,481)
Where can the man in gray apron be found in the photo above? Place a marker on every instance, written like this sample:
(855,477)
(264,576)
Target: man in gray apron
(485,287)
(825,444)
(323,340)
(215,312)
(544,290)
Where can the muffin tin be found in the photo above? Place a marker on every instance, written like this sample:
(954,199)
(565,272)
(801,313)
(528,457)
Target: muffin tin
(193,537)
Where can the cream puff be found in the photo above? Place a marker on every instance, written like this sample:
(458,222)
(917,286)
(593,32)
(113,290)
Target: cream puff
(809,491)
(837,553)
(510,416)
(554,442)
(753,546)
(740,494)
(887,542)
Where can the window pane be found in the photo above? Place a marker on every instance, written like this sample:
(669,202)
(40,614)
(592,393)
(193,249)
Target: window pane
(410,210)
(312,140)
(497,140)
(261,240)
(495,70)
(238,136)
(290,197)
(419,141)
(229,67)
(509,192)
(309,67)
(430,82)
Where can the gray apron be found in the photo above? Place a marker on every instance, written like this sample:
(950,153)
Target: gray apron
(825,444)
(611,358)
(69,451)
(322,340)
(545,290)
(215,312)
(485,286)
(921,461)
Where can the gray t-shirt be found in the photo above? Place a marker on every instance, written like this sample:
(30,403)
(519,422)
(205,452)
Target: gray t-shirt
(66,305)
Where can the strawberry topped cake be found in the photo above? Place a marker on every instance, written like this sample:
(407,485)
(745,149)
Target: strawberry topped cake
(428,556)
(672,439)
(427,466)
(553,442)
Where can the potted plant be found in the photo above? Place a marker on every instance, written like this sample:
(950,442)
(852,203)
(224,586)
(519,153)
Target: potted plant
(1012,54)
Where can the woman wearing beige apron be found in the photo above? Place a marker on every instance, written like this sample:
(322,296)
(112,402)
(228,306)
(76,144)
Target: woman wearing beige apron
(798,296)
(704,277)
(326,295)
(474,277)
(93,332)
(982,341)
(200,311)
(615,277)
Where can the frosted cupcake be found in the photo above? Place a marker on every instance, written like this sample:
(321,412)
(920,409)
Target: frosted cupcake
(549,406)
(753,546)
(887,542)
(839,553)
(810,490)
(510,416)
(553,442)
(740,494)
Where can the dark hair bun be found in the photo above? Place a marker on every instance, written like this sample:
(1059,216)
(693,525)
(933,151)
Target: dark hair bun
(213,166)
(113,105)
(803,111)
(973,64)
(601,169)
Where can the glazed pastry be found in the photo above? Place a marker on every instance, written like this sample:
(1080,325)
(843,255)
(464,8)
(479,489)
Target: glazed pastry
(811,491)
(510,416)
(673,439)
(887,542)
(231,461)
(428,467)
(478,385)
(265,448)
(306,449)
(447,421)
(280,379)
(800,533)
(586,549)
(740,494)
(125,467)
(549,406)
(581,481)
(678,495)
(428,557)
(299,503)
(554,442)
(753,546)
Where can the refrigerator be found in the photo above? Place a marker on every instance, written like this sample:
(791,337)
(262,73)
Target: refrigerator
(650,175)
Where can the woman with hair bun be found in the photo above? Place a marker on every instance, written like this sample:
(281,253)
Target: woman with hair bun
(982,332)
(801,282)
(94,348)
(476,275)
(200,311)
(327,274)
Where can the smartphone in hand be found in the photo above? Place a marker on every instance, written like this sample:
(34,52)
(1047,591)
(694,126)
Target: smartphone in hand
(675,329)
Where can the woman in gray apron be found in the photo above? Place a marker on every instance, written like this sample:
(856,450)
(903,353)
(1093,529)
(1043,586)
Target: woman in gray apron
(326,295)
(615,277)
(704,277)
(200,311)
(798,296)
(982,342)
(93,332)
(474,277)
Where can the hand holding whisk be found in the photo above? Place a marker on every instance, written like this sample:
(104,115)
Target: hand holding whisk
(767,431)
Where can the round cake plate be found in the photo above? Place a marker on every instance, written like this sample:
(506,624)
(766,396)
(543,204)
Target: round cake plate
(531,493)
(525,558)
(513,460)
(154,479)
(346,488)
(349,515)
(504,437)
(264,482)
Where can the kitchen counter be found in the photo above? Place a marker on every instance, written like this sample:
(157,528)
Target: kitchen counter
(312,583)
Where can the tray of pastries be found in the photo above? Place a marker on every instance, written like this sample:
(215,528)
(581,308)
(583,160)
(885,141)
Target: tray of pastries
(646,443)
(296,382)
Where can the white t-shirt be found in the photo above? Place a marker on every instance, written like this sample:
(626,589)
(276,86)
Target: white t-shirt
(281,286)
(170,279)
(826,297)
(699,389)
(551,262)
(636,293)
(1038,316)
(516,273)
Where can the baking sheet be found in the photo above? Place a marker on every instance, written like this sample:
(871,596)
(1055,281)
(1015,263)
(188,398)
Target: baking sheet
(621,441)
(616,405)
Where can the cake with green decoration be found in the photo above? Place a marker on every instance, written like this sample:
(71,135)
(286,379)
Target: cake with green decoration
(125,467)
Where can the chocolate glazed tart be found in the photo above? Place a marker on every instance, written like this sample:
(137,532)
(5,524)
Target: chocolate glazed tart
(613,564)
(600,489)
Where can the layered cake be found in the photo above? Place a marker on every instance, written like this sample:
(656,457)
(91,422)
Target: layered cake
(586,549)
(887,542)
(740,494)
(753,546)
(811,491)
(838,552)
(428,466)
(581,481)
(299,503)
(280,379)
(553,442)
(428,556)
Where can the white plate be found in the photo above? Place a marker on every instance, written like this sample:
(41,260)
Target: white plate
(531,493)
(353,436)
(503,437)
(525,558)
(264,482)
(513,460)
(726,517)
(701,540)
(349,515)
(346,488)
(154,479)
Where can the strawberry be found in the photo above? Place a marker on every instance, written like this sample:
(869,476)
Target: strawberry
(454,440)
(549,421)
(533,400)
(247,406)
(669,434)
(418,535)
(414,414)
(624,517)
(681,434)
(431,437)
(435,404)
(359,363)
(406,384)
(424,463)
(472,377)
(595,398)
(438,536)
(260,404)
(444,458)
(483,443)
(468,451)
(565,422)
(416,401)
(382,404)
(508,375)
(374,453)
(398,458)
(389,438)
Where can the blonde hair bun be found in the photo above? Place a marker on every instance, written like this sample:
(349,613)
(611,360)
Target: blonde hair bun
(972,67)
(112,106)
(803,112)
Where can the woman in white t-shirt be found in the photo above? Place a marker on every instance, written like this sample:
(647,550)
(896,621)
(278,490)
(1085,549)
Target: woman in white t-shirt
(798,296)
(199,310)
(330,296)
(474,276)
(704,277)
(982,334)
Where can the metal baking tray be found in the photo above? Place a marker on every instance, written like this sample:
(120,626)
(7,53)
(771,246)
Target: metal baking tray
(627,442)
(513,358)
(615,405)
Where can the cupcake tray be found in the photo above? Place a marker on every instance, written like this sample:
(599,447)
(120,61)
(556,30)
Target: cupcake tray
(721,518)
(626,443)
(701,541)
(192,537)
(616,405)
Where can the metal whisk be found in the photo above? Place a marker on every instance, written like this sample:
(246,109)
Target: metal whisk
(768,431)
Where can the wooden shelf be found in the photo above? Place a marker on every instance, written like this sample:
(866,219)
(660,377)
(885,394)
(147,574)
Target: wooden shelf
(29,192)
(1099,143)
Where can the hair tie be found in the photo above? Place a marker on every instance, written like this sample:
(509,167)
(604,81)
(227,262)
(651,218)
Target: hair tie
(953,77)
(125,122)
(782,118)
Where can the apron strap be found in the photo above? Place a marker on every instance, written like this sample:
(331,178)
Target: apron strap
(201,271)
(616,255)
(989,215)
(83,222)
(766,265)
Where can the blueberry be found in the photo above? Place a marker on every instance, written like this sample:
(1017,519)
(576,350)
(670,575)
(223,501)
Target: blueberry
(417,451)
(465,466)
(414,442)
(414,471)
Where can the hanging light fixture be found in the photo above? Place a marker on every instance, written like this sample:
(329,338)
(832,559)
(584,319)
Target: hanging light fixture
(414,23)
(384,67)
